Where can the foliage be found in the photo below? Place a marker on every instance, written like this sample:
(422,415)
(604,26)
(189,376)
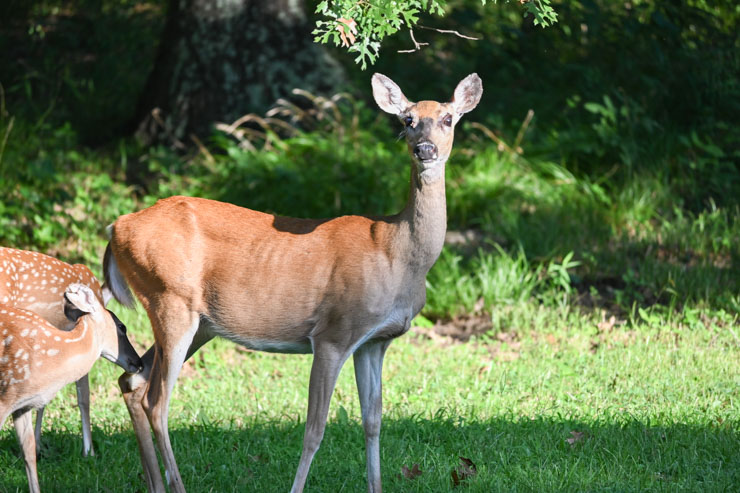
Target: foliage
(598,272)
(362,26)
(616,191)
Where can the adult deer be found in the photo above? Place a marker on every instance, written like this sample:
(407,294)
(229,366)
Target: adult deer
(37,359)
(35,282)
(331,287)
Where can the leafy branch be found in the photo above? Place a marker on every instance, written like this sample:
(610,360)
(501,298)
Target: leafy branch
(362,25)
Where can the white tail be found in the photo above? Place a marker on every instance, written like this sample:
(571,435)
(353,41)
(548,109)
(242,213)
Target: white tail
(334,287)
(34,281)
(37,359)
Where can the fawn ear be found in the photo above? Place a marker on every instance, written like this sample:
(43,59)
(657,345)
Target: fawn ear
(388,95)
(467,94)
(79,300)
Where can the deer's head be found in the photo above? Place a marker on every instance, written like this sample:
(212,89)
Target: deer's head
(429,125)
(82,306)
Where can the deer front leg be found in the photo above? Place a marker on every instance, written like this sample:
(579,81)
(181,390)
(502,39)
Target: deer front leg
(83,402)
(24,430)
(368,370)
(133,388)
(327,361)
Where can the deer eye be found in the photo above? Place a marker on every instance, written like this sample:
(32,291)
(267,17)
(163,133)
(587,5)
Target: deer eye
(408,121)
(447,120)
(119,325)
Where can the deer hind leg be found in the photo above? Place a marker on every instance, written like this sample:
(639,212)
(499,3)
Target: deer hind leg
(37,430)
(83,402)
(24,430)
(368,371)
(174,333)
(133,387)
(327,361)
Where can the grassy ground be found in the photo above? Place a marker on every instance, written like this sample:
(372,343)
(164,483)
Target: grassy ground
(550,393)
(594,266)
(569,403)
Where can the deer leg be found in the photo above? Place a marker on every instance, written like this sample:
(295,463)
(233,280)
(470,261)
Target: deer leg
(24,430)
(327,362)
(133,387)
(368,369)
(37,430)
(175,338)
(83,402)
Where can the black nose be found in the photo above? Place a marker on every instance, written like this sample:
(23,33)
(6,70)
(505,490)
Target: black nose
(425,151)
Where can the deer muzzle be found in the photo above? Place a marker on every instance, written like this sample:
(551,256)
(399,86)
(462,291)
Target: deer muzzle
(425,151)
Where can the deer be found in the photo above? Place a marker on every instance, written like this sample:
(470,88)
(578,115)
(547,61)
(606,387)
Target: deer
(339,287)
(37,359)
(35,282)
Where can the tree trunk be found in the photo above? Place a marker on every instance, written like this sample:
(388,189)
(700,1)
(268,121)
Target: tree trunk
(219,60)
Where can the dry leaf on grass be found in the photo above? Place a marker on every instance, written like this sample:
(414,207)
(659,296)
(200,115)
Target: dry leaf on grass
(412,473)
(465,470)
(606,325)
(575,437)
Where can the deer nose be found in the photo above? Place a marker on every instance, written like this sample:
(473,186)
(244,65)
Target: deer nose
(425,151)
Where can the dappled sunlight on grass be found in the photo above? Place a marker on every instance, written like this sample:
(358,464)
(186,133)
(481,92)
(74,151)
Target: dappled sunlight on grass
(650,408)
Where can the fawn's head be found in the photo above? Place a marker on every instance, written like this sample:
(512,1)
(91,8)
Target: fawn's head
(429,125)
(79,302)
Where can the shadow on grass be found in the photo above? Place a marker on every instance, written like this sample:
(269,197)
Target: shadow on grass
(511,454)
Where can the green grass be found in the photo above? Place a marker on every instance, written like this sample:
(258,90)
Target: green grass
(652,400)
(622,201)
(658,407)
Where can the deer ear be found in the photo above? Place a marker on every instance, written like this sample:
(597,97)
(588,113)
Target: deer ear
(388,95)
(79,300)
(467,94)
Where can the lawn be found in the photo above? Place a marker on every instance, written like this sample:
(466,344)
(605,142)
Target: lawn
(582,327)
(570,403)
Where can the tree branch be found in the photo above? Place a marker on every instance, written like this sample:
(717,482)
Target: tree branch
(447,31)
(417,45)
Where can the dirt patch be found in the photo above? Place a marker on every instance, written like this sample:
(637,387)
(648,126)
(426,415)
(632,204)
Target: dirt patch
(469,241)
(467,328)
(458,329)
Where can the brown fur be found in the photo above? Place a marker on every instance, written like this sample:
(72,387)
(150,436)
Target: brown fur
(333,287)
(34,281)
(37,360)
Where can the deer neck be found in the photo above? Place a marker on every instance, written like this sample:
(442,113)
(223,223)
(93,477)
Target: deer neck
(80,346)
(424,219)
